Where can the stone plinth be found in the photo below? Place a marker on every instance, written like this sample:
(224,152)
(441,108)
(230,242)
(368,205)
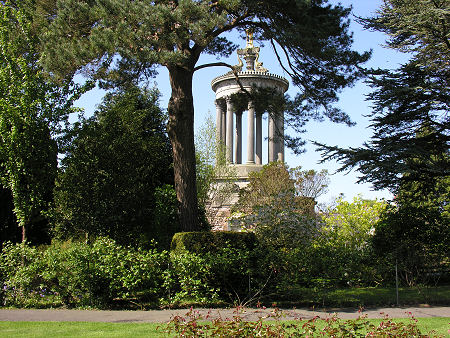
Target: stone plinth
(221,209)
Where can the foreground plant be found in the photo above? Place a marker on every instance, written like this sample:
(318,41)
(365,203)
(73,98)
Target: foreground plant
(193,324)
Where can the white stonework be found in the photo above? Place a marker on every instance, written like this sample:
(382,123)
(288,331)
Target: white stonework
(231,135)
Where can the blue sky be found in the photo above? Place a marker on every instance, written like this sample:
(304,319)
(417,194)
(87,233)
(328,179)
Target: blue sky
(352,101)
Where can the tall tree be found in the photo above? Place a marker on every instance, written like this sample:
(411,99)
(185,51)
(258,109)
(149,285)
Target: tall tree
(31,112)
(414,97)
(110,39)
(414,232)
(114,163)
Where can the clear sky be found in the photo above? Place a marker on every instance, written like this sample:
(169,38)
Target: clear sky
(352,100)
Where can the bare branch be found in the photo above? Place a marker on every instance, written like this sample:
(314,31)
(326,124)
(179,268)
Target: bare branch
(233,69)
(214,64)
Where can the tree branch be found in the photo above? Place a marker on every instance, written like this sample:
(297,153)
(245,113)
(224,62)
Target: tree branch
(233,69)
(214,64)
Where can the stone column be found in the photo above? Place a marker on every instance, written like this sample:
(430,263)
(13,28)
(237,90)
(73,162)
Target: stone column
(219,116)
(279,120)
(229,131)
(238,135)
(271,136)
(223,126)
(251,134)
(258,142)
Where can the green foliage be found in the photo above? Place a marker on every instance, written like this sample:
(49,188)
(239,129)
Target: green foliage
(228,263)
(104,274)
(165,214)
(272,186)
(193,325)
(275,210)
(342,254)
(215,179)
(115,40)
(33,110)
(187,279)
(414,232)
(417,27)
(204,242)
(352,224)
(20,268)
(77,274)
(407,101)
(114,163)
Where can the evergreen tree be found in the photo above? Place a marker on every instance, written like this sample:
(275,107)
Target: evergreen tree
(414,231)
(414,97)
(114,163)
(119,40)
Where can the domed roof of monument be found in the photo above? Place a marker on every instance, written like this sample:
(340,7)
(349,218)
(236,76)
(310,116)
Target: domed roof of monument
(254,73)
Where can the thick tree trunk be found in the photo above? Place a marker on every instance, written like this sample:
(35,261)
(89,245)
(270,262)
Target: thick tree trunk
(181,134)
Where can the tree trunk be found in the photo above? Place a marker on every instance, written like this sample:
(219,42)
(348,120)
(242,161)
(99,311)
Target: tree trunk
(24,233)
(181,134)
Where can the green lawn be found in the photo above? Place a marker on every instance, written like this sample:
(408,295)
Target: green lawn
(82,329)
(79,329)
(354,297)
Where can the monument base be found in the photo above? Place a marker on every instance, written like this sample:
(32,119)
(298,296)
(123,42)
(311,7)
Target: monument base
(221,205)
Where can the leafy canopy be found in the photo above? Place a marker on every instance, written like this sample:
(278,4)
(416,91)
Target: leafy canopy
(411,104)
(115,162)
(32,110)
(118,40)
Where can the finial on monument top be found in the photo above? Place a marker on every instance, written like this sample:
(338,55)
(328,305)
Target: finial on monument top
(250,54)
(249,33)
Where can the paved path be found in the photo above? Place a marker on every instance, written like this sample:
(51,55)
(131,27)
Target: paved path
(248,314)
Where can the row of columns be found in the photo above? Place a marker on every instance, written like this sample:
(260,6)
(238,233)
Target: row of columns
(224,121)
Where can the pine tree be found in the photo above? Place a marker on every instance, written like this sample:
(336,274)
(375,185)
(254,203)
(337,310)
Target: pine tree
(407,100)
(114,40)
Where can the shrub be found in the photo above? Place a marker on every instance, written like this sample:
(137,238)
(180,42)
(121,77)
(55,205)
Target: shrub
(187,279)
(193,325)
(21,273)
(78,274)
(204,242)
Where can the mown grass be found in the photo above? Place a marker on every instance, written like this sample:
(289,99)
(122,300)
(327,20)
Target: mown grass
(84,329)
(354,297)
(80,329)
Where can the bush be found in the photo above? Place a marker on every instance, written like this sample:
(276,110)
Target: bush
(194,325)
(212,266)
(21,275)
(78,274)
(209,242)
(188,280)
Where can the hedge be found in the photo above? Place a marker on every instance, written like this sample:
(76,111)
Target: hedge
(210,242)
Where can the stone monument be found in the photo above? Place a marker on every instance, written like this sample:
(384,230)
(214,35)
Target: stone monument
(229,123)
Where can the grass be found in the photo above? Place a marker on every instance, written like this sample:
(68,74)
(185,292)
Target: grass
(77,329)
(354,297)
(80,329)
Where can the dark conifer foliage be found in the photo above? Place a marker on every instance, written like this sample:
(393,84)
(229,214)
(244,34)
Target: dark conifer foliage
(411,129)
(111,38)
(114,162)
(411,104)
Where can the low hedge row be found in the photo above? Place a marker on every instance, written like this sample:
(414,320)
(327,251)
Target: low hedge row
(103,273)
(204,242)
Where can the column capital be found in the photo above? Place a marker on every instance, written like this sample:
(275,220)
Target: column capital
(220,103)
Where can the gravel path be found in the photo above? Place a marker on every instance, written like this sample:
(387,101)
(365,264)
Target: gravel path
(61,315)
